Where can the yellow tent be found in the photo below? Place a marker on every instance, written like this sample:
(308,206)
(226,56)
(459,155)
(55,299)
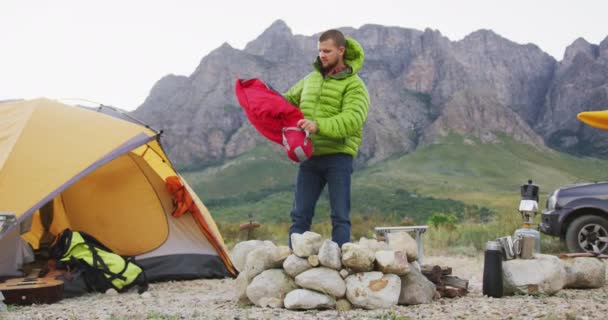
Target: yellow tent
(103,175)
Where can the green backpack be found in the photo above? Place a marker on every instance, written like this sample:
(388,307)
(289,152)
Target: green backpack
(102,269)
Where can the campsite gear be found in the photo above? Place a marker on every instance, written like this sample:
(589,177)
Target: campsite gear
(508,247)
(14,251)
(298,147)
(3,307)
(35,288)
(105,175)
(103,269)
(418,230)
(528,205)
(7,219)
(596,119)
(528,232)
(526,248)
(528,208)
(26,291)
(492,270)
(185,202)
(274,117)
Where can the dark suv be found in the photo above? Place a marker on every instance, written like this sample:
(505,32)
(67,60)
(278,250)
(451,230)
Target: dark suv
(579,215)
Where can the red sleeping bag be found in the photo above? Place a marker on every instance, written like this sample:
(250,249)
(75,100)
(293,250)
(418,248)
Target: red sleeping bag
(274,117)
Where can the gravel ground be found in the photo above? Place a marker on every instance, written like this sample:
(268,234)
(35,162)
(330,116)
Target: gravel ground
(212,299)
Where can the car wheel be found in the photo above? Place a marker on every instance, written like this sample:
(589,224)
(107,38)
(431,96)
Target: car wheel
(588,234)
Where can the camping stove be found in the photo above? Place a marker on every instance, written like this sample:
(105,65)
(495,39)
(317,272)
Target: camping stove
(528,208)
(528,205)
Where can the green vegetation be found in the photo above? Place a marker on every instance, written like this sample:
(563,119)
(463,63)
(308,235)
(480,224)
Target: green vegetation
(467,191)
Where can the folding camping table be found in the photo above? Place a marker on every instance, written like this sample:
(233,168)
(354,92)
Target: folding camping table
(419,230)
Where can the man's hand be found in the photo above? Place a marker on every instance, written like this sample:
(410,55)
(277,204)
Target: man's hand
(308,125)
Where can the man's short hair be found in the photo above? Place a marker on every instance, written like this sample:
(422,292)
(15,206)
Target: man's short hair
(335,35)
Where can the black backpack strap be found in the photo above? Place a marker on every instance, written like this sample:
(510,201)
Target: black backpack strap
(61,245)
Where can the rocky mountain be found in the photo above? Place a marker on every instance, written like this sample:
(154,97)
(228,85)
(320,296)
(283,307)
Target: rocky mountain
(422,85)
(580,84)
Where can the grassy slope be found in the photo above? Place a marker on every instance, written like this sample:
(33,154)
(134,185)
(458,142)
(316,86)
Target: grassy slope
(455,175)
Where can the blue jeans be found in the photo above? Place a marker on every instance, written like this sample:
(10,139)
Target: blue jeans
(334,170)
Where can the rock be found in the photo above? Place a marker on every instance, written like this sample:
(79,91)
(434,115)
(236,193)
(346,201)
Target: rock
(275,303)
(357,258)
(242,249)
(313,260)
(416,265)
(543,274)
(329,255)
(306,244)
(240,288)
(307,299)
(373,244)
(273,283)
(111,292)
(402,241)
(324,280)
(416,288)
(394,262)
(257,261)
(344,273)
(295,265)
(279,256)
(145,295)
(373,290)
(343,305)
(584,272)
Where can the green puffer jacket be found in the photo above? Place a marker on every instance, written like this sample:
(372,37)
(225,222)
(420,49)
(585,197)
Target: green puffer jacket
(338,104)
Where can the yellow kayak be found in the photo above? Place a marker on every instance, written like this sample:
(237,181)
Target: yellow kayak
(596,119)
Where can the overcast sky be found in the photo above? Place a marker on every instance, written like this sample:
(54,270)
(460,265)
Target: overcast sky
(112,52)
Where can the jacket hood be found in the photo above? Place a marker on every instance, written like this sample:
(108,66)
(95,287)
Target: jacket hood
(353,57)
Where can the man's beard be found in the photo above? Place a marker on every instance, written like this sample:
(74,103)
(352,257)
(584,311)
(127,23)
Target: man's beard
(329,67)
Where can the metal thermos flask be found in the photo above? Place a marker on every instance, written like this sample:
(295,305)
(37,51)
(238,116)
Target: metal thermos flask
(492,270)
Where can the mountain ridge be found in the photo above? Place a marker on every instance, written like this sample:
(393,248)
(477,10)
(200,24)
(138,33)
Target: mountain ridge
(419,84)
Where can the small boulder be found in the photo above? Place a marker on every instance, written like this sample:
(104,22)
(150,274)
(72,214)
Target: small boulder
(343,305)
(313,260)
(306,244)
(295,265)
(273,283)
(373,290)
(240,288)
(394,262)
(544,274)
(416,288)
(275,303)
(258,260)
(584,272)
(344,273)
(239,253)
(305,299)
(325,280)
(279,255)
(357,258)
(329,255)
(415,265)
(373,244)
(402,241)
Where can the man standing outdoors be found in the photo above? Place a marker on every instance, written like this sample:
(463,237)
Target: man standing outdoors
(335,103)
